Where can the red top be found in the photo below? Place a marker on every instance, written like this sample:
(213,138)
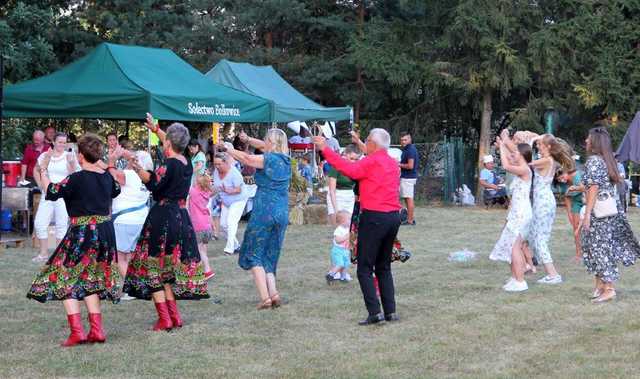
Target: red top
(379,177)
(30,157)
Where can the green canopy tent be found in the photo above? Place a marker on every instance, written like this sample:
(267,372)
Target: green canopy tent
(264,81)
(124,82)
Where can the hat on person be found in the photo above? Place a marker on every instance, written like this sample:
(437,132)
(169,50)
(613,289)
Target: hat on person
(487,159)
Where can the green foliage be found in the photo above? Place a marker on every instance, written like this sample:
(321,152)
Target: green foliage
(425,64)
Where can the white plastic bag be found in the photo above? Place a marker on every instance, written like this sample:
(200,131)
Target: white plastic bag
(463,255)
(466,198)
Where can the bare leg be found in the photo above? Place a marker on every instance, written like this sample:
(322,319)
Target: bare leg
(44,248)
(168,293)
(260,279)
(123,263)
(93,303)
(202,248)
(271,284)
(159,297)
(410,209)
(528,258)
(216,226)
(71,306)
(517,262)
(550,269)
(332,219)
(575,223)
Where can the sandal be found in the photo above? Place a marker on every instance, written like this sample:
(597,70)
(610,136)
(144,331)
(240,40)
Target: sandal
(265,304)
(276,301)
(601,299)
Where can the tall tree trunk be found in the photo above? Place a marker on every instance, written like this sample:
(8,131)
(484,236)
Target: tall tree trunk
(359,80)
(268,40)
(485,134)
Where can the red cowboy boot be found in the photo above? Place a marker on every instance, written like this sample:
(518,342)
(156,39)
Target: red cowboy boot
(77,335)
(164,320)
(96,334)
(174,313)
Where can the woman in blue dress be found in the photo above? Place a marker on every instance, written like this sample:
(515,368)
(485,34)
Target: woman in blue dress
(264,235)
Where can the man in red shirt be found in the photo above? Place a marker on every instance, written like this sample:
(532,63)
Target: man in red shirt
(378,175)
(30,156)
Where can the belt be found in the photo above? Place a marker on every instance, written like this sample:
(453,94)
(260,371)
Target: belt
(89,220)
(380,212)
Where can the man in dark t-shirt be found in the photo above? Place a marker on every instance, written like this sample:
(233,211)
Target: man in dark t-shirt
(408,175)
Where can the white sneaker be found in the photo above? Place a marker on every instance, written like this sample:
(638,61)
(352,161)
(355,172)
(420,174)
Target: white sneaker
(511,279)
(516,286)
(336,276)
(551,280)
(126,297)
(346,277)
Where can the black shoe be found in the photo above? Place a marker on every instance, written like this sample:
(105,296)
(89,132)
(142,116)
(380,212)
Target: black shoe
(404,256)
(372,320)
(330,278)
(392,317)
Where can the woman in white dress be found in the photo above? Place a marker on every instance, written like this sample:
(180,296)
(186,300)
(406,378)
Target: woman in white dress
(509,247)
(554,153)
(59,163)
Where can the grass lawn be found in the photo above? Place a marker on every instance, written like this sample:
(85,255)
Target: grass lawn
(456,320)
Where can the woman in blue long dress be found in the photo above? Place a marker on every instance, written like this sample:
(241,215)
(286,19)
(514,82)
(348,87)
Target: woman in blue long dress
(265,232)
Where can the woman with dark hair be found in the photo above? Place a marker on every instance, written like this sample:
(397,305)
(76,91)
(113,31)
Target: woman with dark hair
(509,247)
(606,236)
(80,267)
(165,265)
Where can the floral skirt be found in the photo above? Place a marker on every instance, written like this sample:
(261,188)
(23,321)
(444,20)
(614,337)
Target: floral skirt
(608,242)
(166,253)
(81,265)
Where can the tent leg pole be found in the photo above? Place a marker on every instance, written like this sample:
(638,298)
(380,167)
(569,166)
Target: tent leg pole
(2,128)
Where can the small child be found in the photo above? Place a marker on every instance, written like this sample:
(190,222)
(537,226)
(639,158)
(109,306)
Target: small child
(340,254)
(304,167)
(199,196)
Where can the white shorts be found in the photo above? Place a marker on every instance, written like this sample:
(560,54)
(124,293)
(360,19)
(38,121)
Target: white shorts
(407,188)
(345,199)
(127,236)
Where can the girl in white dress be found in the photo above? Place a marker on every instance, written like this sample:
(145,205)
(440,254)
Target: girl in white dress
(553,153)
(509,247)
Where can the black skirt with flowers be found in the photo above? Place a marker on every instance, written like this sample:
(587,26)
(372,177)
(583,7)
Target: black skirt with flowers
(167,253)
(81,265)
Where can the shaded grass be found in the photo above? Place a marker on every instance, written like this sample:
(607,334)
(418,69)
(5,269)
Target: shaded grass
(457,322)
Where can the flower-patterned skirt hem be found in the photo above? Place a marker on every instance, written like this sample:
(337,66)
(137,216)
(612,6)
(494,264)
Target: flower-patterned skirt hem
(166,253)
(149,275)
(610,241)
(80,266)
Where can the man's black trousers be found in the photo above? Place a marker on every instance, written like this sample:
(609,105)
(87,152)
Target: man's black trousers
(376,234)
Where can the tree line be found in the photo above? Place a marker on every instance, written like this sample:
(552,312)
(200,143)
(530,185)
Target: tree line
(432,67)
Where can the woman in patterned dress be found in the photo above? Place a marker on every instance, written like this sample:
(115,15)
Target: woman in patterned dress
(263,238)
(553,154)
(606,241)
(80,268)
(165,265)
(509,247)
